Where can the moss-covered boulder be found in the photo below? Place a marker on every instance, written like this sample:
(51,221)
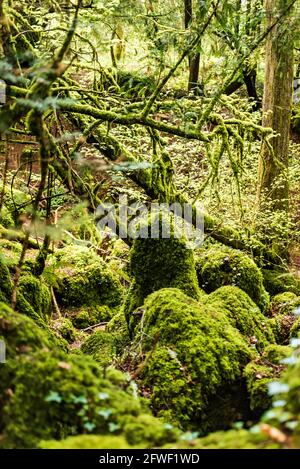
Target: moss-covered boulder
(87,442)
(159,262)
(101,346)
(282,309)
(230,439)
(82,278)
(284,303)
(189,355)
(55,395)
(5,280)
(295,329)
(243,314)
(220,265)
(144,431)
(64,327)
(87,316)
(118,327)
(20,333)
(259,374)
(37,293)
(279,281)
(23,305)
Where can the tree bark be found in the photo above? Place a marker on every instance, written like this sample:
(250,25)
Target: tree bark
(194,59)
(277,104)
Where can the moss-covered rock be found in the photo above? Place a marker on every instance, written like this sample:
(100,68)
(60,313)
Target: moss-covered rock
(65,328)
(284,303)
(37,293)
(20,333)
(283,309)
(278,281)
(231,439)
(295,329)
(219,266)
(89,315)
(259,374)
(163,263)
(282,326)
(186,354)
(118,326)
(22,305)
(148,430)
(276,353)
(243,314)
(87,442)
(101,346)
(56,395)
(82,278)
(158,262)
(5,280)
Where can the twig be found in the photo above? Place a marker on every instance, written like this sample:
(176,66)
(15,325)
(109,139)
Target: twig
(93,326)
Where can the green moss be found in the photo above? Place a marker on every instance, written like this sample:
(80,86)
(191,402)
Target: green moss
(188,353)
(87,442)
(282,325)
(243,314)
(295,329)
(149,431)
(219,266)
(5,280)
(83,279)
(5,218)
(89,316)
(10,250)
(163,263)
(258,375)
(15,201)
(36,292)
(277,281)
(284,303)
(157,263)
(231,439)
(118,326)
(275,353)
(20,333)
(101,346)
(65,328)
(55,395)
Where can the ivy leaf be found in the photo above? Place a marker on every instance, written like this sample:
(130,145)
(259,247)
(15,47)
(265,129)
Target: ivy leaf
(53,396)
(89,426)
(112,427)
(103,396)
(105,413)
(80,399)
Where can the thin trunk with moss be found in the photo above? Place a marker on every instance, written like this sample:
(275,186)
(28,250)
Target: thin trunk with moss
(277,103)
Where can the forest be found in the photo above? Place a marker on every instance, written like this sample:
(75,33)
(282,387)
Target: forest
(150,224)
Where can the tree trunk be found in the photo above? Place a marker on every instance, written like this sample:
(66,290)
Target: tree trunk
(194,59)
(277,104)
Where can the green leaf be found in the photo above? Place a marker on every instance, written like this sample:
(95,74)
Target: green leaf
(53,396)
